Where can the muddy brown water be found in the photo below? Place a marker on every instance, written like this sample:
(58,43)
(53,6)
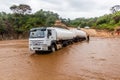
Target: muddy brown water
(98,59)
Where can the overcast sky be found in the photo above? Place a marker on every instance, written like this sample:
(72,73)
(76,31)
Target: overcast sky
(65,8)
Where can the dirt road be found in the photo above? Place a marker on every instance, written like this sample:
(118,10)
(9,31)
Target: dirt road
(98,59)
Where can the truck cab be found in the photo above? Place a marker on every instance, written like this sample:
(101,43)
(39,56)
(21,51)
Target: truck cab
(41,39)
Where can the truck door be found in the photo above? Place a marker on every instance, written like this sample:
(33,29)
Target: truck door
(51,35)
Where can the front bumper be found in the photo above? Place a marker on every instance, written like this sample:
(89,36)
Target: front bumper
(39,48)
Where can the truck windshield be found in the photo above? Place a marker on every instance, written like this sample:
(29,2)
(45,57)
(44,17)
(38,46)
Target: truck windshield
(37,33)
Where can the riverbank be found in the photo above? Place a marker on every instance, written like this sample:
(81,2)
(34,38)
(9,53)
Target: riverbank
(100,33)
(91,32)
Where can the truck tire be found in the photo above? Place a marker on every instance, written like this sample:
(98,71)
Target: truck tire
(53,48)
(37,52)
(88,37)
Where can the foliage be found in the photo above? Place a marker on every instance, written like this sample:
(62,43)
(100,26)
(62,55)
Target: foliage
(21,9)
(19,22)
(108,21)
(115,8)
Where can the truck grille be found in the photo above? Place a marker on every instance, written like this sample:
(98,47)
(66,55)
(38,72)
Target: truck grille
(36,42)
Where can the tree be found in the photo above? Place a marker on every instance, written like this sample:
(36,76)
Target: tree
(21,9)
(20,13)
(2,29)
(115,8)
(46,18)
(65,21)
(5,24)
(50,20)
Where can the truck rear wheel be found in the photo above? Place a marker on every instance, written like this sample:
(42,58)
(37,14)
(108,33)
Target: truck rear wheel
(88,37)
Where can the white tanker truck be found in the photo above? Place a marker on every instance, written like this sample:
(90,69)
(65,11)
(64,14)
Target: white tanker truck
(53,38)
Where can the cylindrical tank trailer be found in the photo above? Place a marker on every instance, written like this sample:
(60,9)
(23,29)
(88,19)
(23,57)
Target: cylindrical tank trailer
(63,34)
(66,34)
(79,34)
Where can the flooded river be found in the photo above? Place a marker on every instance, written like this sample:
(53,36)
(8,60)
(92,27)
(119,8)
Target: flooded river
(98,59)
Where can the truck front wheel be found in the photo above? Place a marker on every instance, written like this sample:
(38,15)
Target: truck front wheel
(37,52)
(53,48)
